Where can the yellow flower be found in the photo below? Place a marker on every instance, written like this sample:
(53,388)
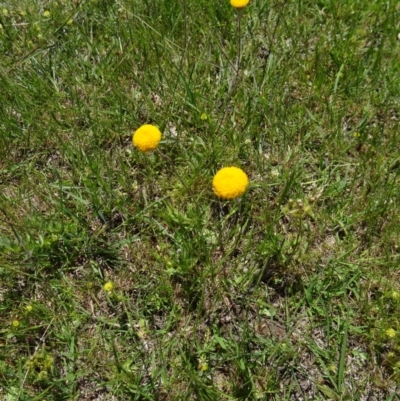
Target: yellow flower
(390,333)
(239,3)
(204,116)
(147,137)
(202,365)
(108,286)
(332,368)
(28,308)
(395,295)
(15,323)
(47,14)
(5,11)
(230,182)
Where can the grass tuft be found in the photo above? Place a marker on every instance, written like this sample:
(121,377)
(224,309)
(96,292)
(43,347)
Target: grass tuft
(123,276)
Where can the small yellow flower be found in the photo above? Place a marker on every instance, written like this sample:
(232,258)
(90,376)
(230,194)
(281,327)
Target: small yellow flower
(108,286)
(5,11)
(15,323)
(47,14)
(332,368)
(356,134)
(28,308)
(239,3)
(230,182)
(395,295)
(204,116)
(70,21)
(147,137)
(202,365)
(390,333)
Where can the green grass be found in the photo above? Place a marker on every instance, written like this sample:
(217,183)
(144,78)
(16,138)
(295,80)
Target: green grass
(290,292)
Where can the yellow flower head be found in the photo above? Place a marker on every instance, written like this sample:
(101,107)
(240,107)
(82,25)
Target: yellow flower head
(239,3)
(46,14)
(108,286)
(147,137)
(15,323)
(230,182)
(390,333)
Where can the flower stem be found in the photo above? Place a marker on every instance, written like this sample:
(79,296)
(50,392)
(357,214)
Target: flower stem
(239,51)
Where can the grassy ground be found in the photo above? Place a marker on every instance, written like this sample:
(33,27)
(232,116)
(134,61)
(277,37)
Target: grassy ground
(290,292)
